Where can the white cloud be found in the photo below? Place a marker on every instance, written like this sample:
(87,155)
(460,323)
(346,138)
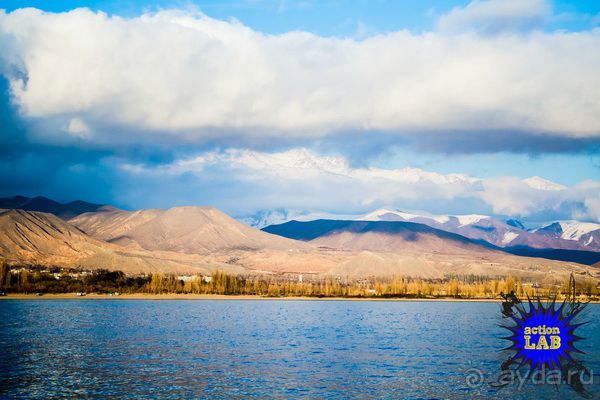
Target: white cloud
(78,128)
(542,184)
(190,77)
(493,16)
(591,200)
(300,178)
(512,196)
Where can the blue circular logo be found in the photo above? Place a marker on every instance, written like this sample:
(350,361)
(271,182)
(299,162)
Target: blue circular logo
(543,336)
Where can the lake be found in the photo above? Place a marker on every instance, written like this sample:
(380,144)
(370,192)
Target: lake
(261,348)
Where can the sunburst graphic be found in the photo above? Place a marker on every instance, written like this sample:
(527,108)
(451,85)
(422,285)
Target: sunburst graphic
(544,336)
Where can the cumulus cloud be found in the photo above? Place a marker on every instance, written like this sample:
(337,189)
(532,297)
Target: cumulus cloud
(493,16)
(117,105)
(300,178)
(183,76)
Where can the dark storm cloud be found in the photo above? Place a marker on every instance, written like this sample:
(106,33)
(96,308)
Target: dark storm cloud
(32,169)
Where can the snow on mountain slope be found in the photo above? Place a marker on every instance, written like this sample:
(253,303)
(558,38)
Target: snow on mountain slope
(568,235)
(585,234)
(465,220)
(387,214)
(574,230)
(473,226)
(509,236)
(572,235)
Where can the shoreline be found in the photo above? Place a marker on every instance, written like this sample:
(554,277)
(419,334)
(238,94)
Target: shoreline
(176,296)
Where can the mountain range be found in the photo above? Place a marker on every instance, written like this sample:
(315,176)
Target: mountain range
(64,211)
(568,235)
(36,238)
(203,239)
(509,234)
(378,236)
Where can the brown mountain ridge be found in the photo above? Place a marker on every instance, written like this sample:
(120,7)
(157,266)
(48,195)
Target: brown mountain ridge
(191,230)
(203,239)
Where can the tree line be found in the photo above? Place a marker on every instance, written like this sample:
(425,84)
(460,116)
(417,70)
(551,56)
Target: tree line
(26,280)
(37,280)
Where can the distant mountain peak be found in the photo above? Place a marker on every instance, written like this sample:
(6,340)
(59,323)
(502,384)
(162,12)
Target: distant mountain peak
(381,212)
(46,205)
(552,228)
(567,235)
(516,223)
(406,216)
(470,219)
(576,229)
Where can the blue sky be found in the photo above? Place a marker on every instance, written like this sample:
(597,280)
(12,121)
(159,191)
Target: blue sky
(326,17)
(188,102)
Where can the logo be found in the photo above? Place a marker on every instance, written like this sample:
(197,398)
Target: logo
(543,336)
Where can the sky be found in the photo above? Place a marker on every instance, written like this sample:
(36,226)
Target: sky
(448,107)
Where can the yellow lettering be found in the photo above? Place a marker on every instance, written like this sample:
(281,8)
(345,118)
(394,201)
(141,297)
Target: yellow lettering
(528,345)
(542,339)
(542,343)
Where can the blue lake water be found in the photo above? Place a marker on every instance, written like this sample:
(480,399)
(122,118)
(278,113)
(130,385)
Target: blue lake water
(261,348)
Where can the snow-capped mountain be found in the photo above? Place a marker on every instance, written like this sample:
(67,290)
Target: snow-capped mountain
(473,226)
(585,233)
(568,235)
